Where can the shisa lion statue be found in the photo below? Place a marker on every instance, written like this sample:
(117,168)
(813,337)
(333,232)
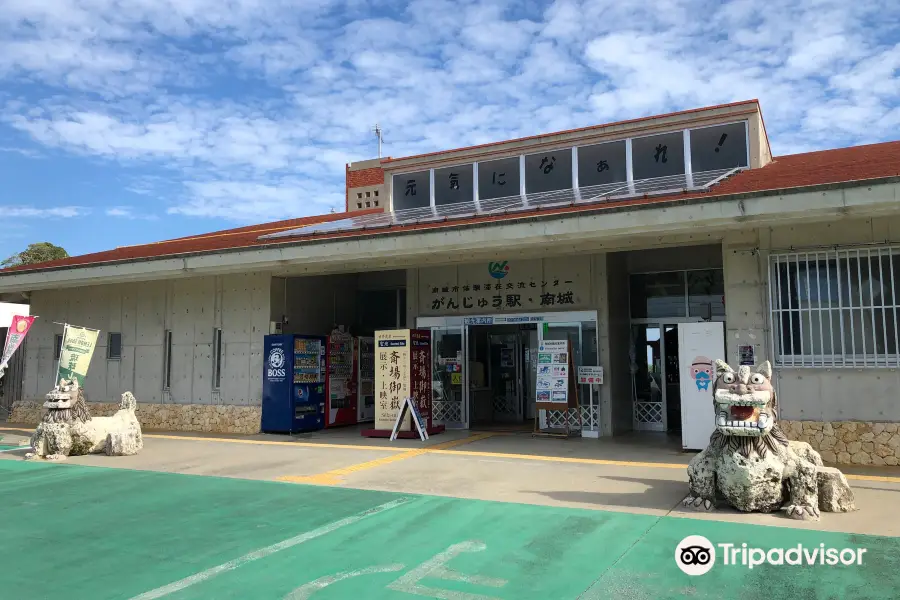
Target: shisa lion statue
(750,463)
(67,428)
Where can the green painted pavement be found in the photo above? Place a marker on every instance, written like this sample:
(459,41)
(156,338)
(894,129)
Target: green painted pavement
(109,533)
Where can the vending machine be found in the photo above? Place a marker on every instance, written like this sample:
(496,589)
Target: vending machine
(365,377)
(340,402)
(293,383)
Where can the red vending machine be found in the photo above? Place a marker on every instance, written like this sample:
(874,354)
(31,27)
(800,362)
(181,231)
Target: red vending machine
(340,395)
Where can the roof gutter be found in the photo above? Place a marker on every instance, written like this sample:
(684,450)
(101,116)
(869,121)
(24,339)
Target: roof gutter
(340,254)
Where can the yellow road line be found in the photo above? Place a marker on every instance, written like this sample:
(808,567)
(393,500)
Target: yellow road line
(334,476)
(276,443)
(565,459)
(873,478)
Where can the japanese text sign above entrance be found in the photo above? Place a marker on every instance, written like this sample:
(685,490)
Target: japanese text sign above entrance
(590,375)
(500,286)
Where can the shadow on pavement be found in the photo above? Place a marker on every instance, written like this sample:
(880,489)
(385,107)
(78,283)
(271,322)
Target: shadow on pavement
(658,494)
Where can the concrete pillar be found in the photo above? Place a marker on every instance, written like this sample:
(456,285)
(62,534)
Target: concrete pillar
(412,297)
(745,266)
(600,300)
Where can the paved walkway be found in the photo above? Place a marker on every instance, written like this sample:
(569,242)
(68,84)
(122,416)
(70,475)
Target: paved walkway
(466,517)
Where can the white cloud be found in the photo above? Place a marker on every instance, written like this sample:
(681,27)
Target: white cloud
(257,104)
(253,202)
(32,212)
(127,212)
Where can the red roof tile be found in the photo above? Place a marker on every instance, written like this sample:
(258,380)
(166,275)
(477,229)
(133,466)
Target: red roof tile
(783,173)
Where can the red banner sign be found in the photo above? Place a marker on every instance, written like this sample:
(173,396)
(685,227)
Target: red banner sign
(18,329)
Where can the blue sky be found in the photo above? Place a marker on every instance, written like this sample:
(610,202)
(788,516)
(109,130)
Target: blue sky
(130,121)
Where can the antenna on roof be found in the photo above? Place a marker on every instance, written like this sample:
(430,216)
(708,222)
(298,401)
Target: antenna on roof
(380,135)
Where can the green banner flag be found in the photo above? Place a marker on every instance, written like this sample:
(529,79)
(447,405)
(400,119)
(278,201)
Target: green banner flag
(78,345)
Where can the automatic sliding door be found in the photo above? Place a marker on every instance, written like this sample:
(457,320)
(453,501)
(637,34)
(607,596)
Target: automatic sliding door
(449,390)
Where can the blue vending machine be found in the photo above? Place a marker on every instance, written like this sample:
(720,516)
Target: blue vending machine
(293,383)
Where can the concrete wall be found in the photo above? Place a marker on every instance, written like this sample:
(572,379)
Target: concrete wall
(314,304)
(141,312)
(812,394)
(707,256)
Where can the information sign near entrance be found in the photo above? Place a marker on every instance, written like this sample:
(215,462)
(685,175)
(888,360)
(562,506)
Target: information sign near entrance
(590,375)
(556,388)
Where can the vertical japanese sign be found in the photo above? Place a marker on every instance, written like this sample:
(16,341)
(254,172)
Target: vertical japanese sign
(78,345)
(392,376)
(18,329)
(553,372)
(421,372)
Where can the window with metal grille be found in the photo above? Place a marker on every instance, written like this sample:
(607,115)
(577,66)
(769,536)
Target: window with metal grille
(835,308)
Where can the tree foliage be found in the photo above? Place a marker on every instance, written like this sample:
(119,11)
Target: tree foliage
(35,253)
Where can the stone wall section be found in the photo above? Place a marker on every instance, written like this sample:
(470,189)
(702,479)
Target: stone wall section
(164,417)
(849,442)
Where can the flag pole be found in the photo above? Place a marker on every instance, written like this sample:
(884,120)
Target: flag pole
(62,343)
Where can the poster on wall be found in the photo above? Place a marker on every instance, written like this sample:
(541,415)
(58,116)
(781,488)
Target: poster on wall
(392,376)
(699,344)
(420,373)
(553,372)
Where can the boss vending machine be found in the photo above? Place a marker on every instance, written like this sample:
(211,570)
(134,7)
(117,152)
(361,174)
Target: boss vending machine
(293,383)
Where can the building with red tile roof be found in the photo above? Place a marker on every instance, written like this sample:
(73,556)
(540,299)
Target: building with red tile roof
(634,241)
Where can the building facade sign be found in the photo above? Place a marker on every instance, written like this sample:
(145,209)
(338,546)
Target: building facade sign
(719,147)
(411,190)
(453,185)
(602,164)
(548,171)
(498,178)
(506,286)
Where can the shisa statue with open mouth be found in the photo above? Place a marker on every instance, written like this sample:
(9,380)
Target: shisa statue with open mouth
(751,465)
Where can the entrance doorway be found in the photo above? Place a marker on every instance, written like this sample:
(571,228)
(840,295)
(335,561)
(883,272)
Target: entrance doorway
(485,368)
(499,360)
(656,377)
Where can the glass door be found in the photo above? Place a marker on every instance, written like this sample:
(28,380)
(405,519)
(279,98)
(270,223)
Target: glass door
(648,385)
(449,377)
(672,377)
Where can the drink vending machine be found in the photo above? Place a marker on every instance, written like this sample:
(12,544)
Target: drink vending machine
(340,403)
(294,382)
(365,377)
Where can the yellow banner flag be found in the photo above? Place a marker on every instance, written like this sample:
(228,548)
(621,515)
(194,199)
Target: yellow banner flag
(78,345)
